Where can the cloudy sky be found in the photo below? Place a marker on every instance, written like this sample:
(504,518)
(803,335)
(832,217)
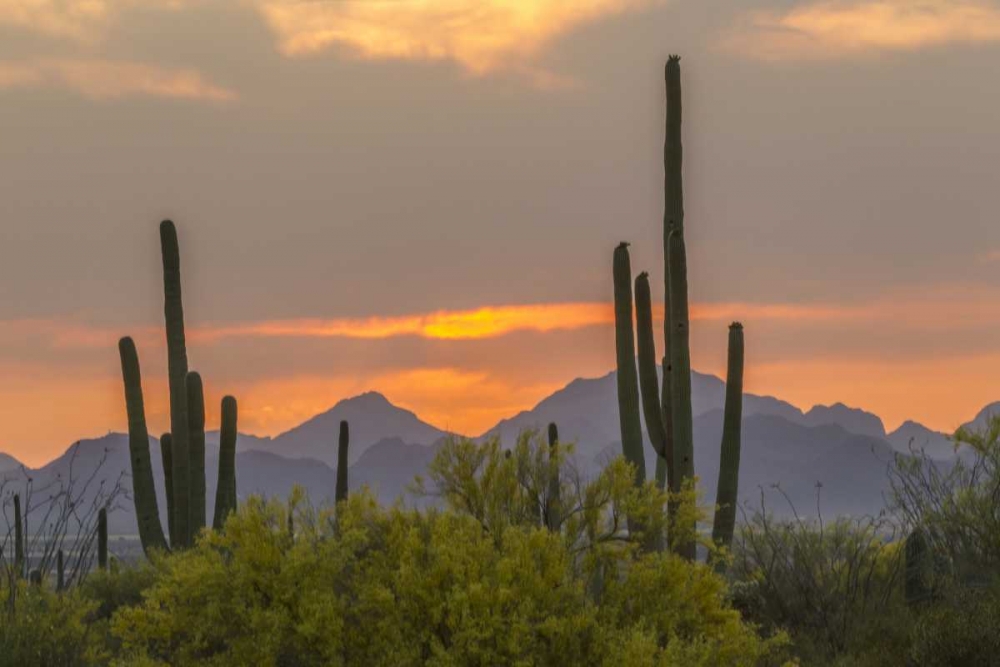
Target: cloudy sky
(422,197)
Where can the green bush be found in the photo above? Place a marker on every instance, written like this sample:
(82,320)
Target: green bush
(39,628)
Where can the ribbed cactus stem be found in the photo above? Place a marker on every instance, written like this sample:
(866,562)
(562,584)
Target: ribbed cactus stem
(683,468)
(143,489)
(167,456)
(60,571)
(177,370)
(18,538)
(729,460)
(102,539)
(918,568)
(648,382)
(225,490)
(342,445)
(628,382)
(673,218)
(35,577)
(552,518)
(196,452)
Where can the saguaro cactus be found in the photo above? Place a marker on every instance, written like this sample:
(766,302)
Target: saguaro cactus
(673,218)
(628,383)
(342,462)
(651,407)
(196,451)
(225,491)
(60,572)
(177,366)
(102,539)
(729,461)
(18,538)
(143,488)
(552,518)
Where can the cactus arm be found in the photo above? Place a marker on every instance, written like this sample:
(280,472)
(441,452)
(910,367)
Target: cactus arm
(341,492)
(648,382)
(167,455)
(680,352)
(143,487)
(102,539)
(628,382)
(729,460)
(196,452)
(177,369)
(225,490)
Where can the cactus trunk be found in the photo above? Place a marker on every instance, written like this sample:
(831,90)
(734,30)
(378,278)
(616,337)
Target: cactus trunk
(177,368)
(143,488)
(729,460)
(225,491)
(18,538)
(552,510)
(342,462)
(628,382)
(918,568)
(196,452)
(60,572)
(648,383)
(680,382)
(673,218)
(102,539)
(167,455)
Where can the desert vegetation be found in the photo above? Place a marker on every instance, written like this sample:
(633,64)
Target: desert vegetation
(514,556)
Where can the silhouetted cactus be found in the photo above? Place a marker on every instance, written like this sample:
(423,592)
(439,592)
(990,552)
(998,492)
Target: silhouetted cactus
(143,488)
(18,538)
(225,490)
(177,366)
(729,461)
(102,539)
(167,455)
(648,384)
(919,566)
(60,572)
(628,382)
(552,518)
(342,462)
(35,577)
(680,362)
(196,451)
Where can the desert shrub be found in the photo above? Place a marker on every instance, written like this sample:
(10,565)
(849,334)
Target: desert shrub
(39,628)
(484,585)
(834,585)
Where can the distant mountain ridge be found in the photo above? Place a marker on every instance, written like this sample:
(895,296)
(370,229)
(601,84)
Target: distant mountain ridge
(843,449)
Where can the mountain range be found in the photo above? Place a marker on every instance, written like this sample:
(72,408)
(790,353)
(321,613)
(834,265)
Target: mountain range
(841,449)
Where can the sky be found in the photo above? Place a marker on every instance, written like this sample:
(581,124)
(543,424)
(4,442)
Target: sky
(422,197)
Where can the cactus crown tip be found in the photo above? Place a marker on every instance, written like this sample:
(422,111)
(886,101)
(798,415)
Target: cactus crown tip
(624,244)
(644,275)
(736,325)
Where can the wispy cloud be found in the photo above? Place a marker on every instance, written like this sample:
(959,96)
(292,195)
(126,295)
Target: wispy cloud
(84,21)
(481,35)
(838,29)
(108,79)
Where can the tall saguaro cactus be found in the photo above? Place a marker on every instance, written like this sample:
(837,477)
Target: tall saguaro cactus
(18,538)
(341,491)
(196,451)
(177,365)
(143,488)
(225,491)
(729,461)
(60,572)
(628,382)
(651,407)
